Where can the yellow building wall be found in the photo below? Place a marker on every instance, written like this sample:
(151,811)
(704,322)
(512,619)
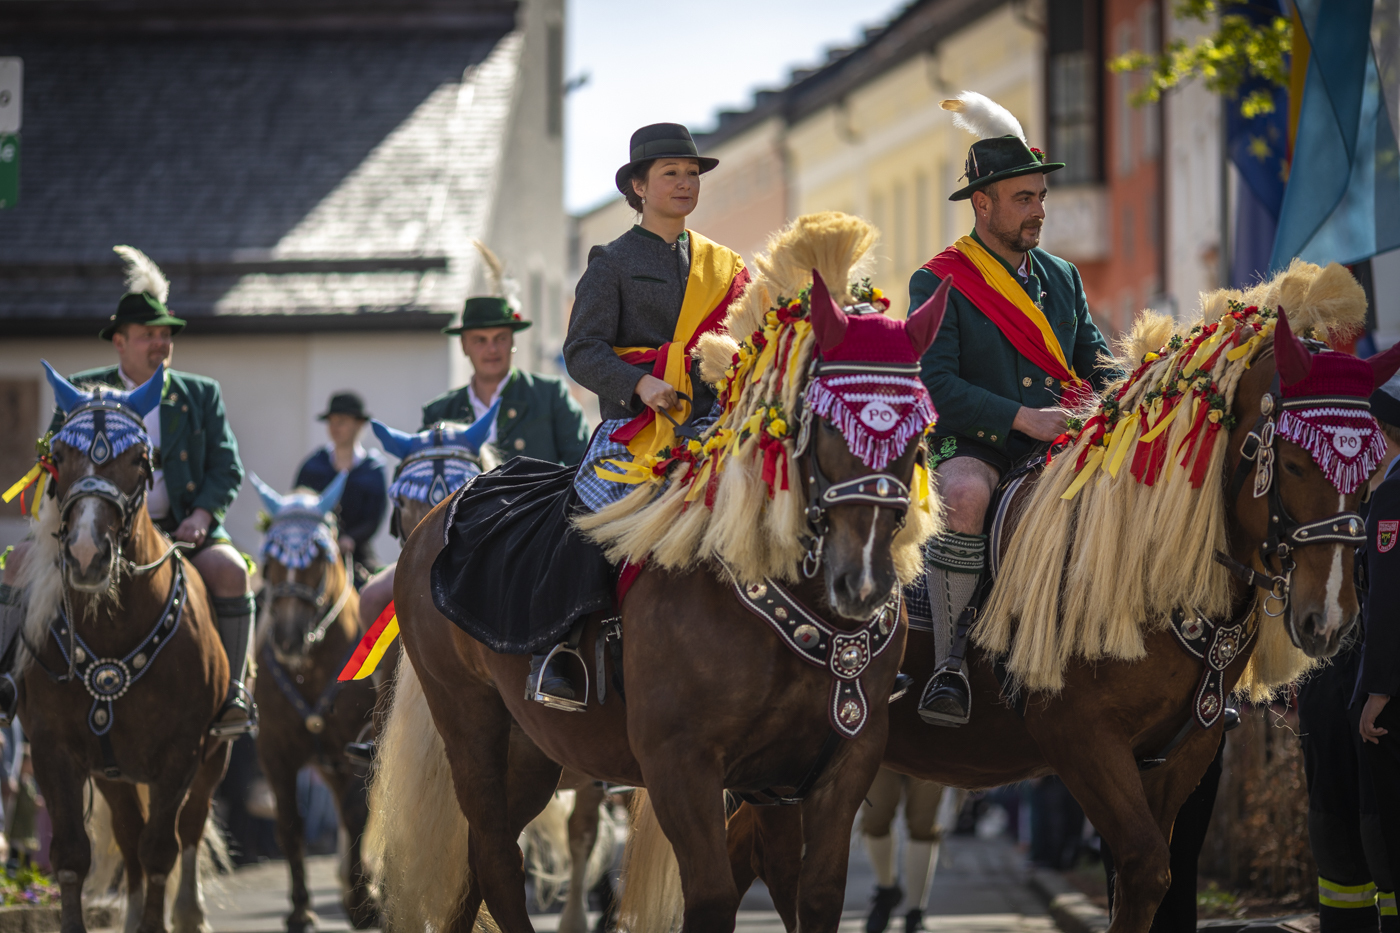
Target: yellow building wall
(890,154)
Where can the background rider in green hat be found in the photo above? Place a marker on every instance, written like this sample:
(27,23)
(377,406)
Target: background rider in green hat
(538,418)
(197,469)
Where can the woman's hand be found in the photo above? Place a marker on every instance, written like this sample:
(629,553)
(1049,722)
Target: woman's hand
(656,394)
(1370,732)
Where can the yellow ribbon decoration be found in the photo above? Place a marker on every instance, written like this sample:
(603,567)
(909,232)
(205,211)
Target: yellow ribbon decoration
(1090,465)
(23,483)
(1160,426)
(1122,440)
(697,488)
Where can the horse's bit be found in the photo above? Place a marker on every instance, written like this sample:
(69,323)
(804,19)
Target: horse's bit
(1285,533)
(883,489)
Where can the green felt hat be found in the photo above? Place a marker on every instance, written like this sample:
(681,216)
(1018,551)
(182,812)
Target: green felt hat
(141,308)
(991,160)
(481,313)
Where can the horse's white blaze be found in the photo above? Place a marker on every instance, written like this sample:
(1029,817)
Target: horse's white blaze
(1333,620)
(83,542)
(867,573)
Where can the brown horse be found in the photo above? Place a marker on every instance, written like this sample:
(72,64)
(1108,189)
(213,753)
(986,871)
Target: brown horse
(1107,730)
(715,699)
(311,623)
(123,671)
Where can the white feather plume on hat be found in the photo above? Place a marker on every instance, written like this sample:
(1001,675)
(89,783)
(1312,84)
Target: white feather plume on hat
(143,275)
(983,117)
(502,285)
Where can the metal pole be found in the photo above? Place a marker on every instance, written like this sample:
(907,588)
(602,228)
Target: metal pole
(1224,260)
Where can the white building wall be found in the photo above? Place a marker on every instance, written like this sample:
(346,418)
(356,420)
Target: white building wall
(273,388)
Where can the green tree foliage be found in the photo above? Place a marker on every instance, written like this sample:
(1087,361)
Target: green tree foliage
(1238,49)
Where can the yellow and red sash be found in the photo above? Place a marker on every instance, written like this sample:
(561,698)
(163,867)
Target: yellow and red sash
(717,277)
(984,281)
(370,651)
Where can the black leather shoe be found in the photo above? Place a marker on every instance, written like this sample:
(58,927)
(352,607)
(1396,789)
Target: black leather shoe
(361,752)
(881,906)
(9,700)
(902,683)
(914,921)
(238,715)
(947,701)
(1232,718)
(550,679)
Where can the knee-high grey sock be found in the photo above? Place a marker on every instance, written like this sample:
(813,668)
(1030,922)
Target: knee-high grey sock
(955,564)
(234,617)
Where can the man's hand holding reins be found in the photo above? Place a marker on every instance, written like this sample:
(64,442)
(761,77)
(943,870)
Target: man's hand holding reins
(1043,424)
(195,527)
(656,394)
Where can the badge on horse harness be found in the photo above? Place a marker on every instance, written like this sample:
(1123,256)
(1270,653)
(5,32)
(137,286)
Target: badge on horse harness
(315,724)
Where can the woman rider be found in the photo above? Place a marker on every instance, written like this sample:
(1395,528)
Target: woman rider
(639,309)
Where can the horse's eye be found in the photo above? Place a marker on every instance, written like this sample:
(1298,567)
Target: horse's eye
(828,426)
(1294,469)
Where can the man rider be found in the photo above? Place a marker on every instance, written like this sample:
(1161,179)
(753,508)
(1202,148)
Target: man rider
(1000,389)
(196,478)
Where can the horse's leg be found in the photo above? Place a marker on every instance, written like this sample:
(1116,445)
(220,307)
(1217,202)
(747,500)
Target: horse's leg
(687,793)
(352,799)
(1097,765)
(583,835)
(282,776)
(187,913)
(127,824)
(61,780)
(827,817)
(160,846)
(777,837)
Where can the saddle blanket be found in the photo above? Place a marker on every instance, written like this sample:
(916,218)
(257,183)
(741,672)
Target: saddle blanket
(515,574)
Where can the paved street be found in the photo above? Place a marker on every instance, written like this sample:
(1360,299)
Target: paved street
(978,888)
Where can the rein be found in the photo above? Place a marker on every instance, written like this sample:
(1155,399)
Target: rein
(317,598)
(1286,534)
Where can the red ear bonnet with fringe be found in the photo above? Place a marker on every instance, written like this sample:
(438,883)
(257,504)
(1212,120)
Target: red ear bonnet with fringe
(867,379)
(1326,405)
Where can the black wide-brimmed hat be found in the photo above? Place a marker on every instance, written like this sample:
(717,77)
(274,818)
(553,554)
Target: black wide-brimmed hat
(345,403)
(991,160)
(661,141)
(481,313)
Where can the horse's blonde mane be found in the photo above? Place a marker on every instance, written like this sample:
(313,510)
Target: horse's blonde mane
(1087,577)
(754,534)
(39,582)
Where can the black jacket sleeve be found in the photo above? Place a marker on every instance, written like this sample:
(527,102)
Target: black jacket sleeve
(1380,660)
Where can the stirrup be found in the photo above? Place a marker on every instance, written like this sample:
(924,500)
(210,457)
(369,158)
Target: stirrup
(938,705)
(902,683)
(532,683)
(361,752)
(240,698)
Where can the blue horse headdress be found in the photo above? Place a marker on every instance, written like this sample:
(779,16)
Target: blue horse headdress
(438,461)
(102,421)
(303,523)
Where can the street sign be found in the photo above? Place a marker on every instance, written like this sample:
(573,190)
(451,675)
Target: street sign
(11,94)
(9,171)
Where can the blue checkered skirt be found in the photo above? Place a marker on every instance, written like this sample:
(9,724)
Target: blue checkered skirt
(596,492)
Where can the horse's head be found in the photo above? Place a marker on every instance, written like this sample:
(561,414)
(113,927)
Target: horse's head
(1305,424)
(101,456)
(305,582)
(865,413)
(433,464)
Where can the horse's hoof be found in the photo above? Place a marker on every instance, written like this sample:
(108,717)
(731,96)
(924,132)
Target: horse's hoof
(303,924)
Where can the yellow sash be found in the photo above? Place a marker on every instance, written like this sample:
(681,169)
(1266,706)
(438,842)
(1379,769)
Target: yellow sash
(995,275)
(712,271)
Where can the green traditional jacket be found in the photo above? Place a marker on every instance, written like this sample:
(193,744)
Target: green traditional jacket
(537,418)
(979,381)
(197,449)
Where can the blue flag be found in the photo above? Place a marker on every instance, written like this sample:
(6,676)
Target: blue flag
(1258,148)
(1342,202)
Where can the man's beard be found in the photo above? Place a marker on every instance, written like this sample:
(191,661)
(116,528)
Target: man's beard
(1019,239)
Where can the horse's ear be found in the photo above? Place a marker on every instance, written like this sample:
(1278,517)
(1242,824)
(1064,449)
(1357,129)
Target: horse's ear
(272,500)
(67,395)
(330,496)
(396,442)
(146,397)
(1293,359)
(1384,365)
(922,326)
(828,320)
(476,433)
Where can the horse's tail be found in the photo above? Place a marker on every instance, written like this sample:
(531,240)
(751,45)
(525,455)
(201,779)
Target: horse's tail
(547,855)
(413,799)
(651,893)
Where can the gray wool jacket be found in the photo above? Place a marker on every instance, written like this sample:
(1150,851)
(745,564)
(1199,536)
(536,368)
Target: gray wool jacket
(629,296)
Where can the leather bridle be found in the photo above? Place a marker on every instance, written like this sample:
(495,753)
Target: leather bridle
(881,489)
(1286,534)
